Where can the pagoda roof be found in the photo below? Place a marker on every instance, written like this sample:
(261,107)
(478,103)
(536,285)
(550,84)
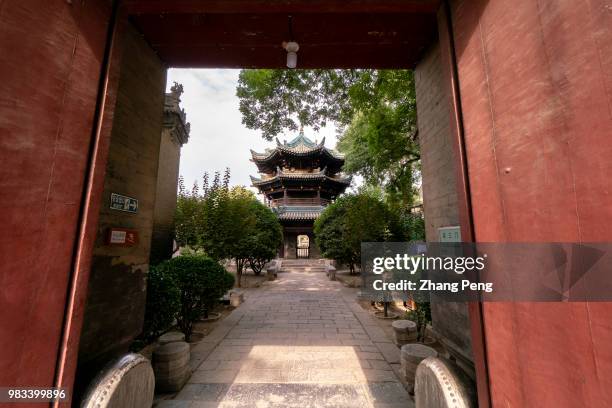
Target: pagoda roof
(300,176)
(298,213)
(300,146)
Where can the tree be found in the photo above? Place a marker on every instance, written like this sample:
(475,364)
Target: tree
(256,234)
(375,111)
(199,212)
(266,239)
(226,223)
(351,220)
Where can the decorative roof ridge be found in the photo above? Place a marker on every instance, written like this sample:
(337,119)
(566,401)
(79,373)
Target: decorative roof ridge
(262,156)
(175,117)
(320,175)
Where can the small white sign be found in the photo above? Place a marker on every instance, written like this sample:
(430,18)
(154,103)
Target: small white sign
(449,234)
(118,237)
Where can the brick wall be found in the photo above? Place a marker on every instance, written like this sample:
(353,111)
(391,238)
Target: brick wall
(439,191)
(117,286)
(450,320)
(165,202)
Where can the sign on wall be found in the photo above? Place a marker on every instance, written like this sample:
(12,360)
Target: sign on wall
(122,237)
(449,234)
(123,203)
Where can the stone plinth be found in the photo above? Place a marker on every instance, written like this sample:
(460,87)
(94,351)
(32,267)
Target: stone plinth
(171,366)
(272,269)
(441,384)
(236,298)
(410,357)
(170,337)
(331,272)
(404,332)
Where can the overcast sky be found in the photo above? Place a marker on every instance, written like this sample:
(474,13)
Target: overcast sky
(218,138)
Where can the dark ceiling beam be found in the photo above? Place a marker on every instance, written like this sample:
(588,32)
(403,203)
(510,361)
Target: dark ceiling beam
(279,6)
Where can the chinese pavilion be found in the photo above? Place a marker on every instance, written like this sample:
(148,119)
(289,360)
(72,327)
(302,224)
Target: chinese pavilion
(299,178)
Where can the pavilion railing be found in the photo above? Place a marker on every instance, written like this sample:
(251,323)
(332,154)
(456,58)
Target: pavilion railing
(279,202)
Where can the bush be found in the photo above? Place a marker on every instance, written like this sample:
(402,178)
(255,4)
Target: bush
(200,281)
(422,317)
(163,303)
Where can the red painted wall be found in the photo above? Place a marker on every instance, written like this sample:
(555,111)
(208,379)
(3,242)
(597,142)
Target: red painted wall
(50,68)
(536,90)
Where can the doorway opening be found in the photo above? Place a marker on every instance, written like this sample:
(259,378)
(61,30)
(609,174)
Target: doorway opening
(303,246)
(385,35)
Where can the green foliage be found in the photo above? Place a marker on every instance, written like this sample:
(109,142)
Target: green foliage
(375,111)
(187,218)
(422,317)
(414,225)
(265,239)
(379,148)
(258,235)
(200,282)
(163,302)
(351,220)
(226,223)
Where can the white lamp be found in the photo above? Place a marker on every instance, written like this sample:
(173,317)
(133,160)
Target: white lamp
(292,48)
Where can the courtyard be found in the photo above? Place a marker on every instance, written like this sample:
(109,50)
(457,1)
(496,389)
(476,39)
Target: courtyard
(299,341)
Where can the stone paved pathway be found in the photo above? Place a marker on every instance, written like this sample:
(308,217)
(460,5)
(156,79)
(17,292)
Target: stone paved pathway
(300,341)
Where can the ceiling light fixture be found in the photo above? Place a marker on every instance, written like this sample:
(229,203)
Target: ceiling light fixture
(291,47)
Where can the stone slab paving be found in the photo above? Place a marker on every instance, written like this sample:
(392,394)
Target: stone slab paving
(300,341)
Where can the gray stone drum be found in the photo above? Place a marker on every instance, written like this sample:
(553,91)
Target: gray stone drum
(126,382)
(441,384)
(404,332)
(411,356)
(171,366)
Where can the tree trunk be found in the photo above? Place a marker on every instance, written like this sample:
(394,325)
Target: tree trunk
(238,273)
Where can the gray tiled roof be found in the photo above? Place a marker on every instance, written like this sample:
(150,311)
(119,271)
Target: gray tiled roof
(298,212)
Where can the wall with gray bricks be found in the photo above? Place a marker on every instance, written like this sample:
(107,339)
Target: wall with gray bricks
(450,320)
(165,202)
(117,287)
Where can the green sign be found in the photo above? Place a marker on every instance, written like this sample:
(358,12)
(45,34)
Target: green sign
(123,203)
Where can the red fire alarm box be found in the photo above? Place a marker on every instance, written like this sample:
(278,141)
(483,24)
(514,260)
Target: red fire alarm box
(121,237)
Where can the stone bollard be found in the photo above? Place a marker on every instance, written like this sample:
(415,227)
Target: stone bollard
(171,337)
(331,272)
(440,383)
(236,298)
(272,270)
(404,332)
(171,366)
(411,356)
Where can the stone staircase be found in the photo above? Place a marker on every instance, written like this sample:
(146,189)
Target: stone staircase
(303,265)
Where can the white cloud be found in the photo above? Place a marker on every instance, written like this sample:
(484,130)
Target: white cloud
(218,138)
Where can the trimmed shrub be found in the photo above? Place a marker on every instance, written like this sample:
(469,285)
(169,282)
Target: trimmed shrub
(163,302)
(201,282)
